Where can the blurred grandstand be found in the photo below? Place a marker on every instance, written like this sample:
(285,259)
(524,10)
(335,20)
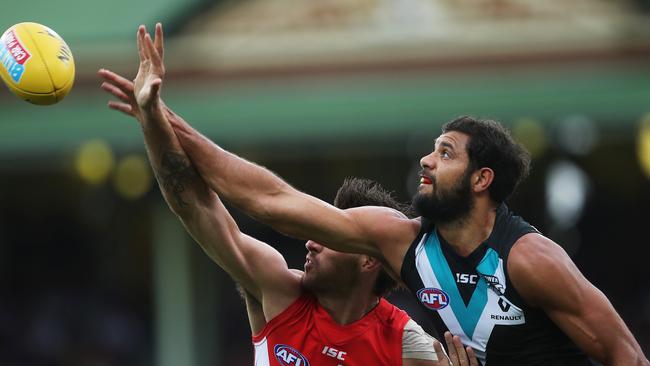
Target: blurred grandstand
(95,270)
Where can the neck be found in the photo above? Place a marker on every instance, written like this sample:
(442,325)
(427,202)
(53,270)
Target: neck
(466,234)
(350,307)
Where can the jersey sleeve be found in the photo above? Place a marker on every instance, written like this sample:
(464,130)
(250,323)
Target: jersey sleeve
(416,343)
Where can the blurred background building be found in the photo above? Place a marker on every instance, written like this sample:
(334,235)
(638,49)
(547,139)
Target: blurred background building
(94,270)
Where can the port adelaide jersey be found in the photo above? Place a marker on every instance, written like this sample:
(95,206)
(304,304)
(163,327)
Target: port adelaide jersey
(473,298)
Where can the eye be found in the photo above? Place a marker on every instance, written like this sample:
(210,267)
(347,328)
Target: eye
(444,154)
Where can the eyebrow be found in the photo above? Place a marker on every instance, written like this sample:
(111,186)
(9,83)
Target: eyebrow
(445,144)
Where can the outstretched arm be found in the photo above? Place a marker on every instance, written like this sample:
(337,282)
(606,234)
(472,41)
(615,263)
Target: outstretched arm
(376,231)
(545,276)
(251,187)
(259,268)
(380,232)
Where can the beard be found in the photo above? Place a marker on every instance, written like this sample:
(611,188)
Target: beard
(336,279)
(446,205)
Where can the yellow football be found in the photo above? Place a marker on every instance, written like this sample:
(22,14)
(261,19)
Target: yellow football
(36,64)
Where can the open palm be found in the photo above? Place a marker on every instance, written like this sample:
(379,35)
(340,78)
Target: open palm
(147,83)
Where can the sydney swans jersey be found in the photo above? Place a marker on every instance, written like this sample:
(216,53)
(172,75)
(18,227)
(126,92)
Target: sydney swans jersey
(473,298)
(305,335)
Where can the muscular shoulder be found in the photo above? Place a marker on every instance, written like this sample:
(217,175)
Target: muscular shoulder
(540,269)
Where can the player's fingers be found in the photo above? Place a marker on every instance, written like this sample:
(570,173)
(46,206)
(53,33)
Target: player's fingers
(139,39)
(116,79)
(451,349)
(460,350)
(156,59)
(473,361)
(117,92)
(150,50)
(159,41)
(440,354)
(122,107)
(146,40)
(155,89)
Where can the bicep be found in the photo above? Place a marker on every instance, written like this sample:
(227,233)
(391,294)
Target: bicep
(589,319)
(545,276)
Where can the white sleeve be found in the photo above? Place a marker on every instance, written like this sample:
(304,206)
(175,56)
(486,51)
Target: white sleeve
(416,343)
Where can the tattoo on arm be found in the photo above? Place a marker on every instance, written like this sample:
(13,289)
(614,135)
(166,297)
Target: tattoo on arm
(176,169)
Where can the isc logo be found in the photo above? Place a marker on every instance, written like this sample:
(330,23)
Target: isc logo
(287,356)
(433,298)
(333,352)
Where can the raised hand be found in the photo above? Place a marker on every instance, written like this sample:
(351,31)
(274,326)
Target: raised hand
(147,83)
(148,73)
(121,88)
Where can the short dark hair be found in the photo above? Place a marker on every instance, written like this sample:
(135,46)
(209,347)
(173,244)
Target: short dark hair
(356,192)
(491,145)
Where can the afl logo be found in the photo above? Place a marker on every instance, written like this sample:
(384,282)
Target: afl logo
(433,298)
(287,356)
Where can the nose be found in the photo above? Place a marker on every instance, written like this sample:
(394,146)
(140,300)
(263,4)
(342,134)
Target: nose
(312,246)
(428,161)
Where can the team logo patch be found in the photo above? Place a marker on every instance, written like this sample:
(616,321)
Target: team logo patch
(287,356)
(493,283)
(13,55)
(433,298)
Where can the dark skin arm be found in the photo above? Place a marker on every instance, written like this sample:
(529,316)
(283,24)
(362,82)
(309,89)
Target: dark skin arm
(377,231)
(545,276)
(258,267)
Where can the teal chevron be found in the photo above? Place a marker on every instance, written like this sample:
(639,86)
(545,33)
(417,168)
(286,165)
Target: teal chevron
(467,315)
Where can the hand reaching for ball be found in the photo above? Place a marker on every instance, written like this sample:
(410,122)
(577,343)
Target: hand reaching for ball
(151,72)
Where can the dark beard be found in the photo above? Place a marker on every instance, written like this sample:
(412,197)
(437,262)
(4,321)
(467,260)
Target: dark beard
(446,206)
(344,276)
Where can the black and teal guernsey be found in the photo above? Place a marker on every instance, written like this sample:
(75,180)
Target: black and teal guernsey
(473,298)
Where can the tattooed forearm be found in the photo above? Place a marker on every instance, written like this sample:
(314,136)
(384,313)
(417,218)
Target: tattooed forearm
(175,170)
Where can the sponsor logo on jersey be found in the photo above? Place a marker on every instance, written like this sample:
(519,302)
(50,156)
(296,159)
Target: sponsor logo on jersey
(494,284)
(506,317)
(333,352)
(289,356)
(433,298)
(472,279)
(510,313)
(504,305)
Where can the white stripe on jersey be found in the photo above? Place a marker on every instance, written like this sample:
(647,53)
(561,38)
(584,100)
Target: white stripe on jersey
(261,353)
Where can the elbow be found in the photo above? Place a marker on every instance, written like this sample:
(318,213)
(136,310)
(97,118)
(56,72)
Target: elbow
(631,354)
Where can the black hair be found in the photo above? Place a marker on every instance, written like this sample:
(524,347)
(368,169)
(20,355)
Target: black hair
(491,145)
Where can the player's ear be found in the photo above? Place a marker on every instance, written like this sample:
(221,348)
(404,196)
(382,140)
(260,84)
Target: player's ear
(369,263)
(481,179)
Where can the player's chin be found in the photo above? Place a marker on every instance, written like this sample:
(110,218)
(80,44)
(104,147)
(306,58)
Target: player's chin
(425,189)
(307,282)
